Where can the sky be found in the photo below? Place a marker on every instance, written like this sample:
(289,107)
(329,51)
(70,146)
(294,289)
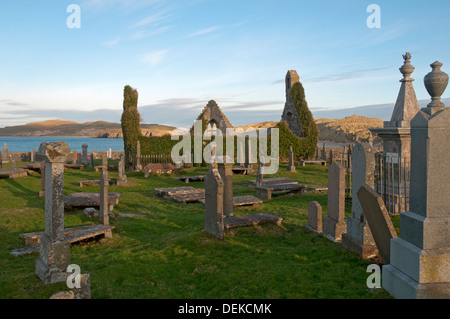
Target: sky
(179,54)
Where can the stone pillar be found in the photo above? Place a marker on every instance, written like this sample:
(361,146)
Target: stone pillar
(138,157)
(225,171)
(32,155)
(420,257)
(331,157)
(358,237)
(291,165)
(260,175)
(13,162)
(314,217)
(84,157)
(241,155)
(334,223)
(54,253)
(324,152)
(91,161)
(214,191)
(104,184)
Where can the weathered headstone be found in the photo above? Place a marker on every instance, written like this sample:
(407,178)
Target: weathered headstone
(42,192)
(32,155)
(104,185)
(249,160)
(214,191)
(54,255)
(378,219)
(260,175)
(225,171)
(122,175)
(331,157)
(334,223)
(420,257)
(314,217)
(291,166)
(13,162)
(138,157)
(358,237)
(84,156)
(324,152)
(5,155)
(91,161)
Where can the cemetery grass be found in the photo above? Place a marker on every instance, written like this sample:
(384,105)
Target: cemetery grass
(167,255)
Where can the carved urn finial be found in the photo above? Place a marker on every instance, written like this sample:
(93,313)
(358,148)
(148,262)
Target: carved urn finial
(436,82)
(407,69)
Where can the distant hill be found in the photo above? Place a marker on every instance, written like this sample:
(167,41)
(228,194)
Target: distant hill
(88,129)
(336,130)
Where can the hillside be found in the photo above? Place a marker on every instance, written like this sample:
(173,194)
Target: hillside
(88,129)
(337,131)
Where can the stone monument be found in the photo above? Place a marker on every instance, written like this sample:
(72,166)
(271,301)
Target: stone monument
(214,191)
(420,257)
(290,112)
(5,155)
(334,223)
(226,173)
(54,253)
(84,156)
(291,166)
(358,237)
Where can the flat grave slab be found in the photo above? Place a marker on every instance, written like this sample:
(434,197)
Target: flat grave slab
(304,162)
(252,220)
(96,182)
(266,191)
(274,181)
(318,189)
(173,190)
(190,197)
(90,199)
(188,179)
(239,170)
(247,200)
(31,167)
(74,166)
(13,173)
(73,235)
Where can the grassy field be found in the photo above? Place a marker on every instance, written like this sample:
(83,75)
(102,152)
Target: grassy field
(168,255)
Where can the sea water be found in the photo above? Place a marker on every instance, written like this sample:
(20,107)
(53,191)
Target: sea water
(25,144)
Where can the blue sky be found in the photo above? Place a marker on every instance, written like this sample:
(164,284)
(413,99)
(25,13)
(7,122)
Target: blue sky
(181,54)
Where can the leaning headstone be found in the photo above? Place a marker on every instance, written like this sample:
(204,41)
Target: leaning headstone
(291,166)
(420,257)
(104,184)
(378,219)
(334,223)
(54,255)
(358,238)
(314,217)
(225,171)
(214,190)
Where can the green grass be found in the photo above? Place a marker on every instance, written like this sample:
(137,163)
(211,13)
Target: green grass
(168,255)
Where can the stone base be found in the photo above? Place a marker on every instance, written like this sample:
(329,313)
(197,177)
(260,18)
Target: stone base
(54,257)
(401,286)
(308,227)
(333,230)
(49,276)
(42,194)
(365,251)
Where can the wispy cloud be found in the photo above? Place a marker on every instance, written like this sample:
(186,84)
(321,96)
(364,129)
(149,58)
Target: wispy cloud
(345,75)
(145,34)
(154,58)
(112,42)
(203,31)
(153,19)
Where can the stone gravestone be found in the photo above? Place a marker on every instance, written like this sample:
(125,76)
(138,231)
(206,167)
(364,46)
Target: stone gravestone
(122,175)
(378,219)
(91,161)
(291,166)
(32,155)
(260,175)
(54,254)
(225,171)
(214,190)
(358,237)
(420,257)
(5,156)
(324,152)
(42,192)
(138,157)
(104,185)
(84,157)
(334,223)
(13,161)
(249,160)
(314,217)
